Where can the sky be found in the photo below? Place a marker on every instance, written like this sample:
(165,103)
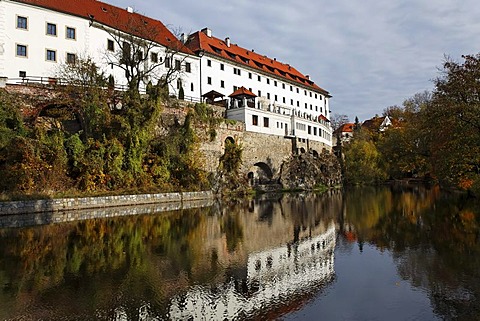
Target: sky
(368,54)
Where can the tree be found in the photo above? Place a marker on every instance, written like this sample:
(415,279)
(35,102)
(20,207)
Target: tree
(338,120)
(145,50)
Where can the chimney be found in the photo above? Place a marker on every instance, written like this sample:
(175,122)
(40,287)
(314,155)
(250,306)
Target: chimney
(227,41)
(208,32)
(307,76)
(183,38)
(129,9)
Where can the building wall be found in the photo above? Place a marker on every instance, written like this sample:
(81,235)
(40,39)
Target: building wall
(273,94)
(91,41)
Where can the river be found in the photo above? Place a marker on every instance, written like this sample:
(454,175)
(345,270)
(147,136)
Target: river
(390,253)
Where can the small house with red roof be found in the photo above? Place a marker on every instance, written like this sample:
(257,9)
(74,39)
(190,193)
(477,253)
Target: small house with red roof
(344,133)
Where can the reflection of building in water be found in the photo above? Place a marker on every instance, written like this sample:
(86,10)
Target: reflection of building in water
(274,277)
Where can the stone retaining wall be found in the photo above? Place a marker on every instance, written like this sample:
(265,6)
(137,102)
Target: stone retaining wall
(70,204)
(43,218)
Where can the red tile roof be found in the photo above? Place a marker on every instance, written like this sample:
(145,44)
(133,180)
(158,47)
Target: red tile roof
(200,41)
(346,128)
(114,17)
(242,91)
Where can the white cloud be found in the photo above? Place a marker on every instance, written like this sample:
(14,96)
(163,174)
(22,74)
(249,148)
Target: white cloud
(368,54)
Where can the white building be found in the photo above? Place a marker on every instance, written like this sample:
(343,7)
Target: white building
(287,102)
(37,36)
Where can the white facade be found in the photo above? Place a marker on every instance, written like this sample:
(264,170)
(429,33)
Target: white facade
(292,109)
(36,41)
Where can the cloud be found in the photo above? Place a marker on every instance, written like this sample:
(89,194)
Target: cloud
(368,54)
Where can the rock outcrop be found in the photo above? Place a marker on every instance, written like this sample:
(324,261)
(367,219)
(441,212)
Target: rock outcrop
(307,172)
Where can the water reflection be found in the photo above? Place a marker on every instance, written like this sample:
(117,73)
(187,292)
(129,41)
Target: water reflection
(434,239)
(241,260)
(259,259)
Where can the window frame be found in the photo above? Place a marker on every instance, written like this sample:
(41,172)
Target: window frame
(188,67)
(70,54)
(47,55)
(18,17)
(112,47)
(17,45)
(48,29)
(154,57)
(67,29)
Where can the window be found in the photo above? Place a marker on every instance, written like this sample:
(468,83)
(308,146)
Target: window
(51,29)
(276,98)
(139,55)
(315,131)
(177,64)
(188,67)
(21,50)
(306,106)
(309,130)
(191,86)
(298,103)
(311,107)
(250,75)
(268,81)
(259,93)
(291,88)
(222,83)
(236,71)
(310,94)
(126,51)
(209,80)
(71,58)
(70,33)
(51,55)
(179,83)
(275,83)
(154,57)
(110,45)
(315,96)
(168,62)
(22,74)
(22,23)
(255,120)
(209,63)
(291,102)
(298,91)
(222,67)
(266,122)
(259,78)
(284,100)
(305,92)
(268,95)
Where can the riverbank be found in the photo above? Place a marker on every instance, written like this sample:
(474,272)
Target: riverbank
(82,203)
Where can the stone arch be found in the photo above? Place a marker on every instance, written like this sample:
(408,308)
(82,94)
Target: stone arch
(230,139)
(59,115)
(314,153)
(265,169)
(260,174)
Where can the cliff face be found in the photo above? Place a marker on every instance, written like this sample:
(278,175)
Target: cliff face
(306,171)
